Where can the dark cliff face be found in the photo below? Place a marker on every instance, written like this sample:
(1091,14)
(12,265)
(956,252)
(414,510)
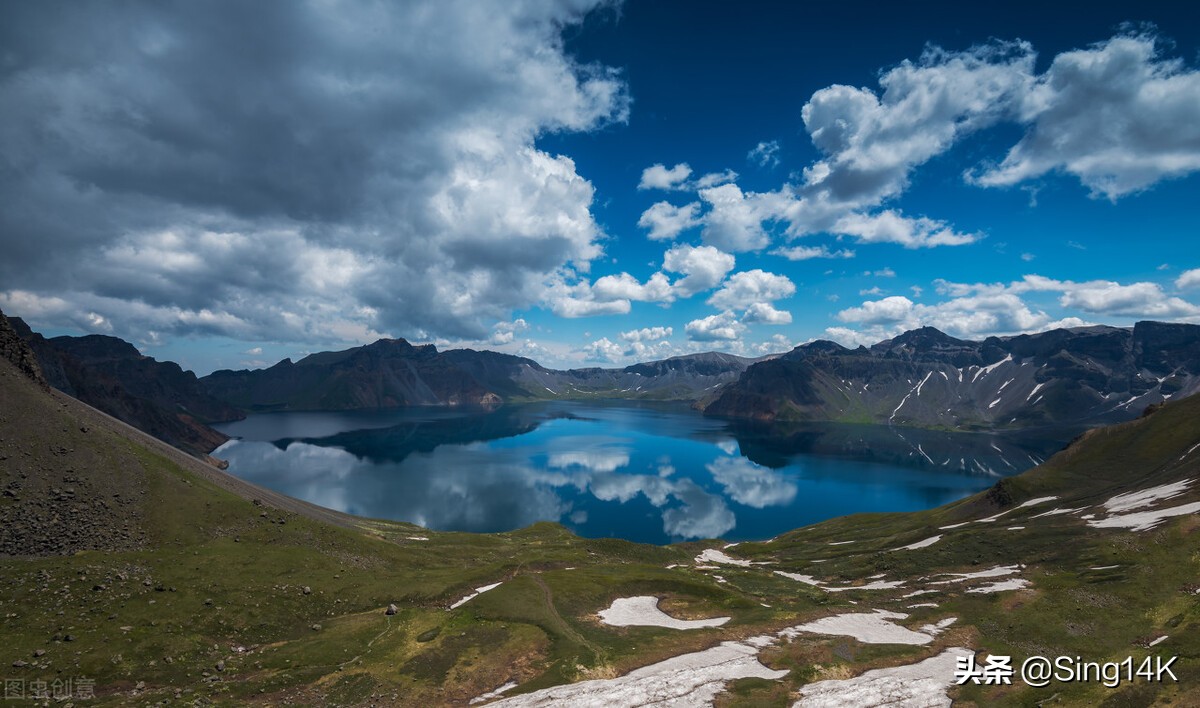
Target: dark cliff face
(927,378)
(110,374)
(15,349)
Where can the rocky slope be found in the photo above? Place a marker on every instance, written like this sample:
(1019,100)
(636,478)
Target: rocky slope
(925,378)
(158,397)
(198,588)
(393,372)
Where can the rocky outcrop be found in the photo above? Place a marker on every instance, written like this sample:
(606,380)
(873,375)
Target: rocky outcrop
(16,350)
(157,397)
(1087,375)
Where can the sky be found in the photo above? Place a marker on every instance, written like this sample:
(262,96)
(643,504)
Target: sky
(592,183)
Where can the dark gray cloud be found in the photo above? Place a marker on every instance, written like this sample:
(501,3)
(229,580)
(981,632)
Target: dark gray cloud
(291,171)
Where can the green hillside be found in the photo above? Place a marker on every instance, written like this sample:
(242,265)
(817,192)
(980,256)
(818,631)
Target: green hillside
(158,577)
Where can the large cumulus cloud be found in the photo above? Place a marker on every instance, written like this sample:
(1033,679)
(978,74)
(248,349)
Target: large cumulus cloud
(292,171)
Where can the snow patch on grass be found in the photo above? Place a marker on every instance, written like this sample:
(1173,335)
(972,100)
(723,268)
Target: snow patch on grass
(493,694)
(686,680)
(810,580)
(919,544)
(1143,520)
(642,611)
(867,627)
(1146,497)
(1058,512)
(1010,584)
(472,596)
(712,555)
(1035,502)
(994,572)
(921,684)
(806,579)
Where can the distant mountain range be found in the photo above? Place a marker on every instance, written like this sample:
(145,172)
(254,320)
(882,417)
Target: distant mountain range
(392,372)
(1087,375)
(922,378)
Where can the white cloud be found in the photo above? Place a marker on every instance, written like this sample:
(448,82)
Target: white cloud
(1117,115)
(1136,300)
(1188,279)
(765,154)
(873,141)
(703,267)
(765,313)
(647,334)
(254,351)
(666,221)
(435,213)
(735,219)
(723,326)
(603,350)
(743,289)
(504,332)
(804,253)
(714,179)
(852,337)
(657,176)
(888,310)
(892,227)
(625,287)
(985,309)
(577,301)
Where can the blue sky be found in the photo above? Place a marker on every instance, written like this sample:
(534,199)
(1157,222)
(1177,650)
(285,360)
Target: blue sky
(595,185)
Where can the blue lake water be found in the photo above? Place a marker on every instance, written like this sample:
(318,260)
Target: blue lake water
(653,473)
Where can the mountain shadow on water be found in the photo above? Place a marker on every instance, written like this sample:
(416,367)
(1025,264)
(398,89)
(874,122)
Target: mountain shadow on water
(776,444)
(396,443)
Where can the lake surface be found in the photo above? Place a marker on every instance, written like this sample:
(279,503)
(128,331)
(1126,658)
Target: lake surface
(653,473)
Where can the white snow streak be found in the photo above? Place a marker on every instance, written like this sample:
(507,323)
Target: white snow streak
(712,555)
(1010,584)
(472,596)
(919,544)
(1035,502)
(990,368)
(1143,520)
(923,382)
(1146,497)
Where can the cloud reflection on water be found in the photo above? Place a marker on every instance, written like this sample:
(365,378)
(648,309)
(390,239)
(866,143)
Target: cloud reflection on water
(603,470)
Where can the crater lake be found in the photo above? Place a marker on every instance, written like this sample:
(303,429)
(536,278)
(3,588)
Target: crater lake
(645,472)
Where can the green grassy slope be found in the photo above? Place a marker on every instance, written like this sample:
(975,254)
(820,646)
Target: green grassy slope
(210,595)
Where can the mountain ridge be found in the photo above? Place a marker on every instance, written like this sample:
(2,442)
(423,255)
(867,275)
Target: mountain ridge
(195,583)
(925,378)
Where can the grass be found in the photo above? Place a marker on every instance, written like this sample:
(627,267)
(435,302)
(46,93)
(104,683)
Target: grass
(221,581)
